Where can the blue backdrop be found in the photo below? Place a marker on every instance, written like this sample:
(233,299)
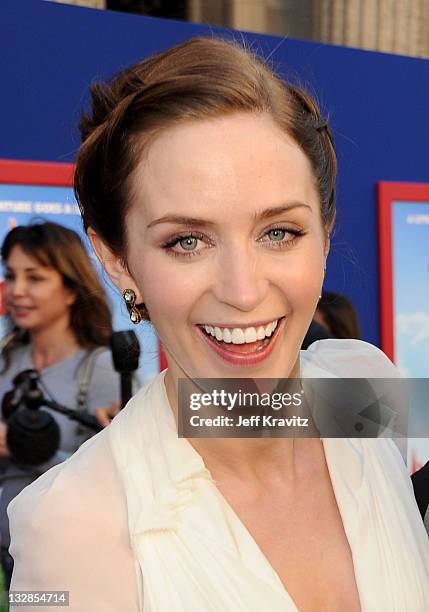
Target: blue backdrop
(49,54)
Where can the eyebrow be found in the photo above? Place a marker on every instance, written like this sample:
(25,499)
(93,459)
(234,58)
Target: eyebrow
(9,269)
(258,216)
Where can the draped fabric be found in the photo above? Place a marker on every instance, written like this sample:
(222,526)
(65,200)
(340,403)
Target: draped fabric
(194,554)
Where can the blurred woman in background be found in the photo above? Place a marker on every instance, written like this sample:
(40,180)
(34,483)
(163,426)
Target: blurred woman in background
(338,316)
(61,326)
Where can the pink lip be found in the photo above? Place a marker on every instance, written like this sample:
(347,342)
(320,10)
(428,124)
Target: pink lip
(244,359)
(20,311)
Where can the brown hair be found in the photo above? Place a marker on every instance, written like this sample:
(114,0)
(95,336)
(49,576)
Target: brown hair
(339,314)
(201,78)
(62,249)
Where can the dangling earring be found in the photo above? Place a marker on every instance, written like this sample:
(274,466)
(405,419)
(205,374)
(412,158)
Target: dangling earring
(130,302)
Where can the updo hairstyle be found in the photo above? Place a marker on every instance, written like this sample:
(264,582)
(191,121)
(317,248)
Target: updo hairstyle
(202,78)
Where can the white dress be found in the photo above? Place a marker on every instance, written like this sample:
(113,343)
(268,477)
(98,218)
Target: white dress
(133,520)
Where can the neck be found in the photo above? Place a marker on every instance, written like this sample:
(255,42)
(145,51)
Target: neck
(247,458)
(51,345)
(250,458)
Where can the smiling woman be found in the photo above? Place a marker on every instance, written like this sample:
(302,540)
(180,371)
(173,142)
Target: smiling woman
(207,187)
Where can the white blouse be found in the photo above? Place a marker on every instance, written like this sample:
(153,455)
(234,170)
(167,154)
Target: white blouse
(133,520)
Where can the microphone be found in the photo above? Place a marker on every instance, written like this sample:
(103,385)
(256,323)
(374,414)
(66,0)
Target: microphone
(125,349)
(33,435)
(12,399)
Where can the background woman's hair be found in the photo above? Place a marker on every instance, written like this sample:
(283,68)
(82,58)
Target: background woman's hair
(62,249)
(340,315)
(199,79)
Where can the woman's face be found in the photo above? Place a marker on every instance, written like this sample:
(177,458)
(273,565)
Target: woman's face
(225,237)
(36,297)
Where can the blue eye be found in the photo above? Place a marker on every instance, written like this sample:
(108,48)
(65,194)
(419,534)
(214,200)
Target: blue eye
(277,234)
(186,245)
(281,237)
(189,243)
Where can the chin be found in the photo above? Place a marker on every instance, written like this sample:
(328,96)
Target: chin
(26,325)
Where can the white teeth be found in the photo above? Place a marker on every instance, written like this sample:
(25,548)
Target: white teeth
(209,329)
(241,335)
(270,328)
(260,333)
(237,336)
(250,334)
(227,335)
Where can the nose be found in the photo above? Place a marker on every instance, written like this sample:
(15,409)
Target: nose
(240,280)
(16,287)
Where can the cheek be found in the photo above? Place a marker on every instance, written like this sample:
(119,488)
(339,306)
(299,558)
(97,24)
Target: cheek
(309,279)
(44,295)
(7,291)
(169,290)
(50,298)
(300,279)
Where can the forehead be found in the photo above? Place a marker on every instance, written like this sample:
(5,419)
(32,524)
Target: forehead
(18,257)
(230,165)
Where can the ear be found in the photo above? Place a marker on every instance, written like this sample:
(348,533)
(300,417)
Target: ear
(113,264)
(71,297)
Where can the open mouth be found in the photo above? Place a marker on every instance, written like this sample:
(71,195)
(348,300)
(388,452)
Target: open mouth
(242,344)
